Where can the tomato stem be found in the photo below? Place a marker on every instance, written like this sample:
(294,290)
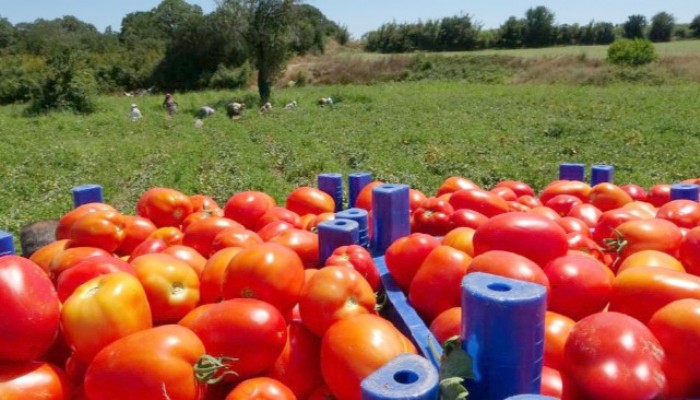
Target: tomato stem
(208,369)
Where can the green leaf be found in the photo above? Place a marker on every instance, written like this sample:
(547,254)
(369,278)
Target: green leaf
(455,368)
(453,389)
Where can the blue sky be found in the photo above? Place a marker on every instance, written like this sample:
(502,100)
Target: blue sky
(361,16)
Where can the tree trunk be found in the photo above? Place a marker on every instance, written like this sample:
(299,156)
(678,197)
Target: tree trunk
(263,85)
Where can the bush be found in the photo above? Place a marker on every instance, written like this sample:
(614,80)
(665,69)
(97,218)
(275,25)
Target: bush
(230,78)
(631,52)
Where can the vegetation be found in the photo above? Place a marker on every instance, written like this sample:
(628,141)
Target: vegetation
(632,52)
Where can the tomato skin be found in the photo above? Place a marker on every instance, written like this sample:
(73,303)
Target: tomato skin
(563,203)
(200,234)
(683,213)
(467,218)
(405,256)
(33,380)
(171,235)
(364,198)
(689,251)
(247,207)
(455,183)
(574,188)
(535,237)
(164,206)
(415,198)
(551,384)
(163,356)
(479,200)
(359,259)
(529,201)
(461,239)
(87,269)
(148,246)
(608,369)
(608,221)
(278,214)
(45,255)
(29,311)
(509,265)
(518,187)
(432,217)
(587,213)
(650,234)
(101,229)
(505,193)
(235,237)
(309,222)
(447,324)
(273,229)
(72,256)
(544,212)
(212,278)
(299,364)
(136,230)
(650,258)
(309,200)
(556,330)
(261,388)
(187,255)
(65,223)
(571,224)
(205,204)
(636,192)
(607,196)
(354,347)
(302,242)
(659,195)
(250,330)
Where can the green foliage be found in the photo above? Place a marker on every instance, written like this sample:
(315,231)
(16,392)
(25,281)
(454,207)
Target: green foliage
(539,29)
(342,36)
(21,77)
(456,33)
(510,34)
(662,25)
(634,27)
(231,78)
(695,27)
(633,52)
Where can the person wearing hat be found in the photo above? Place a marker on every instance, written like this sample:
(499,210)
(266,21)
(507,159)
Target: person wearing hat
(170,104)
(135,113)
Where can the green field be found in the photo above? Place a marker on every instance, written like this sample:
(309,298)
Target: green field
(414,133)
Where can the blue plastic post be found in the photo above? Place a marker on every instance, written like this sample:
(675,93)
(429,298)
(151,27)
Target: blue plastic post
(333,234)
(361,217)
(87,194)
(406,377)
(688,191)
(7,245)
(531,397)
(356,182)
(333,185)
(390,215)
(572,171)
(503,333)
(602,173)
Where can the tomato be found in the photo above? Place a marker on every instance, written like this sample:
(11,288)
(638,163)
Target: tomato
(467,218)
(65,223)
(608,222)
(563,203)
(247,207)
(647,234)
(309,200)
(514,206)
(460,239)
(152,364)
(587,246)
(533,236)
(650,258)
(607,196)
(587,213)
(556,330)
(656,286)
(334,293)
(87,269)
(354,347)
(364,198)
(689,251)
(432,217)
(529,201)
(261,388)
(683,213)
(164,206)
(72,256)
(415,198)
(544,212)
(551,383)
(299,364)
(269,272)
(505,193)
(171,285)
(278,214)
(518,187)
(575,225)
(187,255)
(275,228)
(509,265)
(148,246)
(636,192)
(200,234)
(103,310)
(659,195)
(29,311)
(610,355)
(136,230)
(478,200)
(33,380)
(447,324)
(359,259)
(302,242)
(101,229)
(310,222)
(251,331)
(405,256)
(235,237)
(574,188)
(641,209)
(437,283)
(321,393)
(205,204)
(45,254)
(169,234)
(455,183)
(212,278)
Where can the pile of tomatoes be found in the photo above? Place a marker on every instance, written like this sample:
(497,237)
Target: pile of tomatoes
(189,300)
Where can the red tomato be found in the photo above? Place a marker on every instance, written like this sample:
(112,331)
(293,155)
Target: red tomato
(587,246)
(359,259)
(261,388)
(607,196)
(405,256)
(354,347)
(364,198)
(164,206)
(659,195)
(447,324)
(587,213)
(310,222)
(509,265)
(235,237)
(467,218)
(455,183)
(636,192)
(533,236)
(415,198)
(608,222)
(574,188)
(278,214)
(101,229)
(87,269)
(641,209)
(461,239)
(65,224)
(551,383)
(247,207)
(689,251)
(683,213)
(505,193)
(309,200)
(45,255)
(136,230)
(529,201)
(437,283)
(148,246)
(575,225)
(581,285)
(164,358)
(169,234)
(33,380)
(518,187)
(625,365)
(302,242)
(269,272)
(647,234)
(479,200)
(275,228)
(563,203)
(251,331)
(187,255)
(200,234)
(650,258)
(212,278)
(517,207)
(205,204)
(72,256)
(556,330)
(432,217)
(29,311)
(299,364)
(544,212)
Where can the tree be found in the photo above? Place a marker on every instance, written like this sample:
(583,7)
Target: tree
(604,32)
(695,27)
(510,34)
(539,27)
(634,27)
(7,33)
(662,25)
(457,33)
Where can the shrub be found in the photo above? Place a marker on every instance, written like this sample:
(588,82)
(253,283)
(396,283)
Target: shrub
(631,52)
(230,78)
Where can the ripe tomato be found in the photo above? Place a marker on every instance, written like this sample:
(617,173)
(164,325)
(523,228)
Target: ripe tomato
(509,265)
(164,206)
(334,293)
(29,311)
(563,203)
(587,213)
(683,213)
(103,310)
(87,269)
(235,237)
(275,228)
(551,383)
(556,330)
(278,214)
(359,259)
(467,218)
(309,222)
(608,222)
(187,255)
(689,251)
(447,324)
(650,258)
(251,331)
(268,272)
(309,200)
(299,364)
(529,201)
(354,347)
(659,195)
(304,243)
(212,278)
(518,187)
(101,229)
(505,193)
(406,254)
(200,234)
(625,365)
(205,204)
(455,183)
(261,387)
(575,225)
(247,207)
(607,196)
(45,255)
(171,235)
(148,246)
(364,198)
(415,198)
(533,236)
(544,212)
(574,188)
(164,358)
(72,256)
(136,230)
(33,380)
(479,200)
(460,239)
(636,192)
(65,223)
(647,234)
(641,209)
(432,217)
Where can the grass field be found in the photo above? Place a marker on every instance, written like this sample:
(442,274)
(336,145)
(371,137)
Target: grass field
(413,133)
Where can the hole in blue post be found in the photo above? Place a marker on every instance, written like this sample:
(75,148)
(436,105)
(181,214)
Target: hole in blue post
(340,222)
(405,377)
(499,287)
(353,212)
(388,186)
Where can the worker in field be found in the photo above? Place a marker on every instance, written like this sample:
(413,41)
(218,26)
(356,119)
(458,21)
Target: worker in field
(170,104)
(135,113)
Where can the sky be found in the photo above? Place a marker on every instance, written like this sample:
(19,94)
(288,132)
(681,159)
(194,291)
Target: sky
(361,16)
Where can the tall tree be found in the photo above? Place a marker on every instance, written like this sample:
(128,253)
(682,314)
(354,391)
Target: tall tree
(662,25)
(7,33)
(510,34)
(539,27)
(634,26)
(695,27)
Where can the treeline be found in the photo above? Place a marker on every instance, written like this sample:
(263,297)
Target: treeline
(536,29)
(174,46)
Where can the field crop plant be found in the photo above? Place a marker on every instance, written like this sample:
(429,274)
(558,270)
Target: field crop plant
(415,133)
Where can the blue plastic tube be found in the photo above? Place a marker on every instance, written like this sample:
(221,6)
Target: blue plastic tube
(390,216)
(7,245)
(361,217)
(602,173)
(688,191)
(406,377)
(333,234)
(333,185)
(503,333)
(357,181)
(87,194)
(572,171)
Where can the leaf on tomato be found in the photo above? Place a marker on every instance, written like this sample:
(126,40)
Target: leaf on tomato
(453,389)
(455,368)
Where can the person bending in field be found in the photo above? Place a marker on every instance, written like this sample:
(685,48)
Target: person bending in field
(170,104)
(36,235)
(135,113)
(234,110)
